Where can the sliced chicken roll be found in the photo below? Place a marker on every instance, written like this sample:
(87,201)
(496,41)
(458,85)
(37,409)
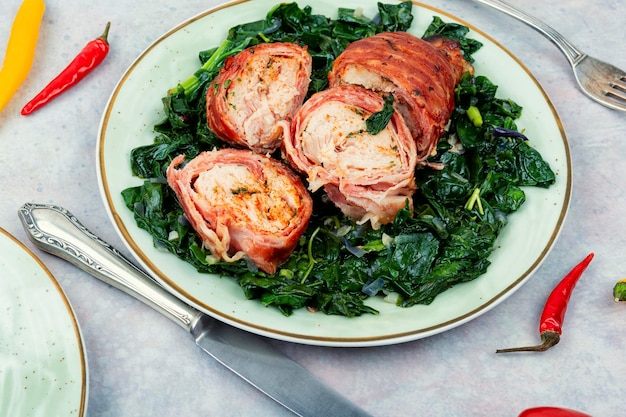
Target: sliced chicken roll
(421,74)
(370,177)
(242,204)
(256,93)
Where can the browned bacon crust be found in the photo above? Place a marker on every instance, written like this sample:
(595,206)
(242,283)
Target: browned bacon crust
(422,76)
(242,204)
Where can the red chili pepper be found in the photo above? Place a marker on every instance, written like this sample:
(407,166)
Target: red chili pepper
(551,412)
(551,322)
(89,57)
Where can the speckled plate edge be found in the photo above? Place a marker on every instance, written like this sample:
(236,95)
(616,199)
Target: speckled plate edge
(59,369)
(134,108)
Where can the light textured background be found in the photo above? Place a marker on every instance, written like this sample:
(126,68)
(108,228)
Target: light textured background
(142,365)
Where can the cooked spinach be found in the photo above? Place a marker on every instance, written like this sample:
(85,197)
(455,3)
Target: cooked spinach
(378,121)
(456,32)
(459,210)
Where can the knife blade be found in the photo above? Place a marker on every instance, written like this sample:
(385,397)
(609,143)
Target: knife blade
(55,230)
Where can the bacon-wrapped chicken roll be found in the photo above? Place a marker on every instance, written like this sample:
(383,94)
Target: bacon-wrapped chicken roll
(242,204)
(368,176)
(256,93)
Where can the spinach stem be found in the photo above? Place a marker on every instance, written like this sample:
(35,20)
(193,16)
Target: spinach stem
(227,48)
(310,254)
(475,199)
(479,203)
(474,115)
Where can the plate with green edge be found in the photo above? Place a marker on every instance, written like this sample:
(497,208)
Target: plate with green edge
(44,366)
(135,107)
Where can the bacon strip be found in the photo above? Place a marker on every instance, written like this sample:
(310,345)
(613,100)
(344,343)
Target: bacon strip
(422,76)
(251,100)
(242,204)
(369,177)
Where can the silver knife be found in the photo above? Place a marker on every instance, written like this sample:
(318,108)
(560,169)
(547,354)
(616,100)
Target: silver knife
(55,230)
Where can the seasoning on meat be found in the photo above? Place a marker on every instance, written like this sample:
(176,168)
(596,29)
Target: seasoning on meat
(253,97)
(421,74)
(242,204)
(369,177)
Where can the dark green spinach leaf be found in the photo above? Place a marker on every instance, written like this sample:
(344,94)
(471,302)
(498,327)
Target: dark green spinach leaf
(378,121)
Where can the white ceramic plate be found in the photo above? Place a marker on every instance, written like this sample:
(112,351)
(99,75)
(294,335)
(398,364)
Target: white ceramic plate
(135,106)
(43,369)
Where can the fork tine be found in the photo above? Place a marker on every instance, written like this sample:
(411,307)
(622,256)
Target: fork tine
(617,95)
(620,84)
(617,92)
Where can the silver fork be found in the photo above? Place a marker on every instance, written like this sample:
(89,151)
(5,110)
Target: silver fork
(599,80)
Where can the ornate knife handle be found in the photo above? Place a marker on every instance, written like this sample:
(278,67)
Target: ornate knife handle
(55,230)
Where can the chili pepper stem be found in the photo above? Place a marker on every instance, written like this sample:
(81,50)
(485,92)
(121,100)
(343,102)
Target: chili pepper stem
(548,339)
(105,34)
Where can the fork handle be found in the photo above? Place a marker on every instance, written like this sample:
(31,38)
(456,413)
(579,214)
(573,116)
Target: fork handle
(573,54)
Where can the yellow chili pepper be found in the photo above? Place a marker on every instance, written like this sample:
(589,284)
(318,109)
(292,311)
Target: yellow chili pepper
(20,52)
